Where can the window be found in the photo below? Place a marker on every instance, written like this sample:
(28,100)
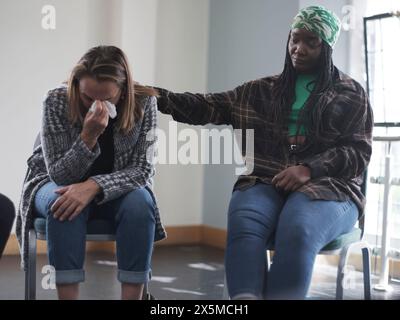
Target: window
(384,67)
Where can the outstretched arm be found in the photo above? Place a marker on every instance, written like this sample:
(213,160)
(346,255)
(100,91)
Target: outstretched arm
(199,109)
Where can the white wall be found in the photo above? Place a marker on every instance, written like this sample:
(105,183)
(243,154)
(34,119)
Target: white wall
(32,61)
(181,65)
(104,22)
(247,41)
(182,45)
(138,37)
(165,41)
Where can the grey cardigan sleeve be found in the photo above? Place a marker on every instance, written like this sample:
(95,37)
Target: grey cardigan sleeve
(140,167)
(67,161)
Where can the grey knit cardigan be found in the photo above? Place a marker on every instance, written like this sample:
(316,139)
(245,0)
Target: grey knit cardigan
(62,157)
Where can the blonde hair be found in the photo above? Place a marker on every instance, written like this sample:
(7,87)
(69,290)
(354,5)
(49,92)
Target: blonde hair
(108,63)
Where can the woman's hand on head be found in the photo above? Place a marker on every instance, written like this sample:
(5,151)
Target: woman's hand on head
(73,199)
(94,124)
(292,178)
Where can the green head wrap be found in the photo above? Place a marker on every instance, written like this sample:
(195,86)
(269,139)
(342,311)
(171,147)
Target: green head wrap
(319,20)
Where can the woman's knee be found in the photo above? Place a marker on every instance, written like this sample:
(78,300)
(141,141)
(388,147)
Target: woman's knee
(300,233)
(250,218)
(137,207)
(248,224)
(45,198)
(297,237)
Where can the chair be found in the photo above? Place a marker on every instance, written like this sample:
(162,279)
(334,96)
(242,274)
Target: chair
(340,246)
(97,230)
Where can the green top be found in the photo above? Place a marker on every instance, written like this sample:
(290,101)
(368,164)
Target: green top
(302,93)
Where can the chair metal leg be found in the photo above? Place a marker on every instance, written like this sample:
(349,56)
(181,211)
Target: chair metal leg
(30,272)
(145,291)
(268,259)
(267,268)
(27,274)
(344,255)
(366,253)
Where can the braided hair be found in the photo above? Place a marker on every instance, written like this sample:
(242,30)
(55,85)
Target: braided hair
(283,97)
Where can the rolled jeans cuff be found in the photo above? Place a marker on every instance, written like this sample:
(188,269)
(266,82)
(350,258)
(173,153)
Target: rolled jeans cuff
(70,276)
(133,276)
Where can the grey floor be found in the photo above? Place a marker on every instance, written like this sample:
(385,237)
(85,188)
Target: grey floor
(179,273)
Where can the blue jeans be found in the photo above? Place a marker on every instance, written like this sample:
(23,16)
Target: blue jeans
(133,215)
(299,226)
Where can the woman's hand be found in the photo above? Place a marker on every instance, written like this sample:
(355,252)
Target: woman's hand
(292,178)
(73,199)
(94,124)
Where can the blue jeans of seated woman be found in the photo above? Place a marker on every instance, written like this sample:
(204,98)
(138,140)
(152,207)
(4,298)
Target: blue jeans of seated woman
(133,215)
(299,226)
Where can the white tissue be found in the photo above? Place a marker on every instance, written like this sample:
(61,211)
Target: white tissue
(112,110)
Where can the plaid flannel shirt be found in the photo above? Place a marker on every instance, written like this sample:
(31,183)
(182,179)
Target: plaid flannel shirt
(337,161)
